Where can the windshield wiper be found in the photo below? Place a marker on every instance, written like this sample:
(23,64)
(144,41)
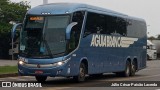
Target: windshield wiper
(48,49)
(60,53)
(41,57)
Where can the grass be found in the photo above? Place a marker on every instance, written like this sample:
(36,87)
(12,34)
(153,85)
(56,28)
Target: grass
(8,69)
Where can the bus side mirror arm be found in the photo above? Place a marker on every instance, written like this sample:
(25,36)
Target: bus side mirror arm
(14,29)
(69,28)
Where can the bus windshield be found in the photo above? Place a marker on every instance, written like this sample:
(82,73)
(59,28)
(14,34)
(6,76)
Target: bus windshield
(44,36)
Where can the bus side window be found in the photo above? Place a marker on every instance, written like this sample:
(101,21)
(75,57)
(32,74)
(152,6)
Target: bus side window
(116,26)
(95,24)
(105,24)
(76,30)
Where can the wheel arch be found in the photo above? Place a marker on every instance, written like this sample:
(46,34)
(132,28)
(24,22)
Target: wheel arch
(128,59)
(136,62)
(85,61)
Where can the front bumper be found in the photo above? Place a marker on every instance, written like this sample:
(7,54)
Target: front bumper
(46,70)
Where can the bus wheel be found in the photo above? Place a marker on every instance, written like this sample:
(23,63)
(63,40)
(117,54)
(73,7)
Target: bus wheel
(147,57)
(127,71)
(41,78)
(133,68)
(82,73)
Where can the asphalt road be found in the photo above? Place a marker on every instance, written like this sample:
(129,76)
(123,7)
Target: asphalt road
(151,73)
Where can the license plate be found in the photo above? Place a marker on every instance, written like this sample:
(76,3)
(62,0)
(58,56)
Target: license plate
(39,72)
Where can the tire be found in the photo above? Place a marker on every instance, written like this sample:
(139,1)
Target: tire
(82,73)
(41,79)
(127,71)
(133,68)
(147,57)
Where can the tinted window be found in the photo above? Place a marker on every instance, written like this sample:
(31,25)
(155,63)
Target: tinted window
(95,24)
(116,26)
(105,24)
(136,28)
(57,21)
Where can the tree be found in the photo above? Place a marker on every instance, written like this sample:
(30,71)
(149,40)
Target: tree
(151,38)
(158,37)
(9,12)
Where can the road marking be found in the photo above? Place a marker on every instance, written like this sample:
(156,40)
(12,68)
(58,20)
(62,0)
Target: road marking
(120,79)
(152,69)
(146,76)
(21,78)
(9,78)
(132,78)
(55,88)
(157,89)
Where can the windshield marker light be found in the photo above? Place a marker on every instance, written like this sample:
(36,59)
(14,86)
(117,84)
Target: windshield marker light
(46,13)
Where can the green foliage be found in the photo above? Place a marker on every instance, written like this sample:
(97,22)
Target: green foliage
(154,38)
(8,69)
(158,37)
(151,38)
(9,11)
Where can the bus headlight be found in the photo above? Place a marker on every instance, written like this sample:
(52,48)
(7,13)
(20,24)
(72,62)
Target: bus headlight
(61,62)
(21,62)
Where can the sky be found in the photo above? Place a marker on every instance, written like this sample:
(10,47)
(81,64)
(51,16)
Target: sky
(145,9)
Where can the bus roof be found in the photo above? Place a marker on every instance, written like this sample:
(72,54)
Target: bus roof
(65,8)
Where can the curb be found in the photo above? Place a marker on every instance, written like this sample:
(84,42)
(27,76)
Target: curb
(8,75)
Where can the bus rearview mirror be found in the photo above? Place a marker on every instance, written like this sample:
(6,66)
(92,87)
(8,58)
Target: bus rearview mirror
(69,28)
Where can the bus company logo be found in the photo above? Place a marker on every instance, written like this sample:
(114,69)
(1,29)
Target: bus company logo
(111,41)
(38,66)
(20,84)
(6,84)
